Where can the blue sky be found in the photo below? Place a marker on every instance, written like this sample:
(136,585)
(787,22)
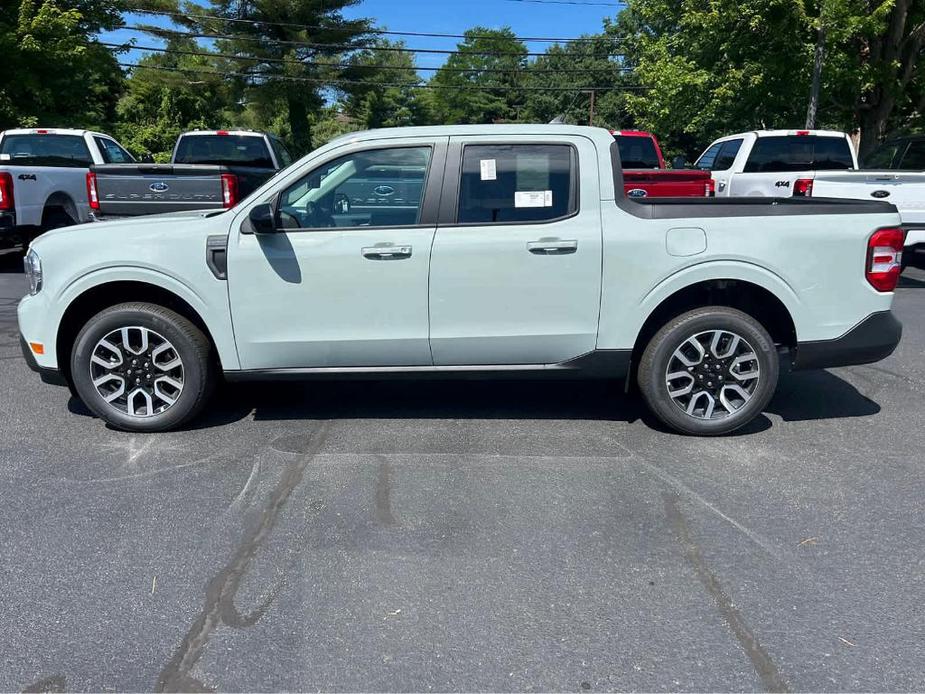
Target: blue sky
(526,18)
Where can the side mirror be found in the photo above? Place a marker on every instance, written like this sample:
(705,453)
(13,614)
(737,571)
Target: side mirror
(679,162)
(262,219)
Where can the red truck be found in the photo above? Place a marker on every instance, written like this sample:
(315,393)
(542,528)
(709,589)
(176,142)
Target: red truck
(645,174)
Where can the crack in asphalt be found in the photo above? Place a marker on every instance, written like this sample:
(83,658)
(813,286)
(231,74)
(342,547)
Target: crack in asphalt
(219,607)
(764,666)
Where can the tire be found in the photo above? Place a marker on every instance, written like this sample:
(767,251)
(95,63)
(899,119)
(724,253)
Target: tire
(738,376)
(54,218)
(172,383)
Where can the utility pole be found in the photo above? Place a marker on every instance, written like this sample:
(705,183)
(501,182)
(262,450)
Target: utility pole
(591,110)
(817,78)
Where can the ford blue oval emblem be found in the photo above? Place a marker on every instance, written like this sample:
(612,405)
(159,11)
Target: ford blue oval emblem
(159,187)
(383,190)
(637,193)
(880,194)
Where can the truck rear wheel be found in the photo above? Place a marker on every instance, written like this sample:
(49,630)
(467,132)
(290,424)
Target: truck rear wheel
(709,371)
(142,367)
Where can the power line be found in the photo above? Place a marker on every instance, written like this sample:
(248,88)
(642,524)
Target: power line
(351,47)
(382,32)
(313,63)
(571,2)
(335,81)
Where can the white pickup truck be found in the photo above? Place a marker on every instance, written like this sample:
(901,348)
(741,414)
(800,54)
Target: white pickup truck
(43,179)
(812,163)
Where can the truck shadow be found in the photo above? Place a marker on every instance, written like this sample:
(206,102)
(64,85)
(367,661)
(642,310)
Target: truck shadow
(11,262)
(800,397)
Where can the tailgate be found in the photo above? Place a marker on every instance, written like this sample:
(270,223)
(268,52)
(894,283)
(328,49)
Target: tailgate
(662,183)
(127,190)
(905,190)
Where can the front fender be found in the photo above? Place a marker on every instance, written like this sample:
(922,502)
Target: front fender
(210,303)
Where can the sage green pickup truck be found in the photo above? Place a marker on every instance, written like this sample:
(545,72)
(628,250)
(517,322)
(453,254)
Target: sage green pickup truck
(464,251)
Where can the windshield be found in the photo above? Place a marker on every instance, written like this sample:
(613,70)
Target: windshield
(45,150)
(239,150)
(637,152)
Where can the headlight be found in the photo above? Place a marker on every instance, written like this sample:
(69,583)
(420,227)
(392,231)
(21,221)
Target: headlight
(33,266)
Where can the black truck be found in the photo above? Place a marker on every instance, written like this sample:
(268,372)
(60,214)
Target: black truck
(210,169)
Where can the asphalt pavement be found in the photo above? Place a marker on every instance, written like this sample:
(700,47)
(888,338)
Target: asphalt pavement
(466,536)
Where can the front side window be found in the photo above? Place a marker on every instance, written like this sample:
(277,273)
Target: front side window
(111,152)
(799,153)
(517,183)
(727,155)
(233,150)
(46,150)
(708,158)
(373,188)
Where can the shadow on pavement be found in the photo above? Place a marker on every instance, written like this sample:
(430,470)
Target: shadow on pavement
(803,396)
(11,261)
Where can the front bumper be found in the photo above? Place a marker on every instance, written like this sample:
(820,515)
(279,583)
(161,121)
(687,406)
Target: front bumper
(873,339)
(47,374)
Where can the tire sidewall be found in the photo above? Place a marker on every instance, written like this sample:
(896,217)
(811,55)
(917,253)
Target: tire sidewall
(667,340)
(195,369)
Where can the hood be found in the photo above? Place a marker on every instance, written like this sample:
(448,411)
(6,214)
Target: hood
(134,225)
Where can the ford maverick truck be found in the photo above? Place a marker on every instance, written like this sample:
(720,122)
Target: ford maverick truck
(464,250)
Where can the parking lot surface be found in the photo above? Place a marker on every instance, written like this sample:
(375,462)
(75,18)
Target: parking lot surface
(466,536)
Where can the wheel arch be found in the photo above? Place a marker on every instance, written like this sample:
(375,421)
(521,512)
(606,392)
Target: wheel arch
(62,200)
(756,300)
(98,297)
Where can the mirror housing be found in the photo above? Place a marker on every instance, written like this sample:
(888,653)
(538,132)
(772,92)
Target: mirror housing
(679,162)
(262,219)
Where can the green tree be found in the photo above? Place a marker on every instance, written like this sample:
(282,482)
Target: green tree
(492,60)
(54,72)
(291,45)
(570,70)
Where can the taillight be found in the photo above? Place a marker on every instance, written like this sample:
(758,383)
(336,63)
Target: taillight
(229,190)
(6,192)
(709,188)
(884,258)
(92,196)
(803,188)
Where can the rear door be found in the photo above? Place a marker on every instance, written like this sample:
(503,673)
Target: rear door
(516,264)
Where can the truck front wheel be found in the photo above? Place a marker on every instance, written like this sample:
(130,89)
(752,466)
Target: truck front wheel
(709,371)
(142,367)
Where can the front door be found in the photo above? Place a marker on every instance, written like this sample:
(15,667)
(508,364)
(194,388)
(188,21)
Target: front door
(516,264)
(343,281)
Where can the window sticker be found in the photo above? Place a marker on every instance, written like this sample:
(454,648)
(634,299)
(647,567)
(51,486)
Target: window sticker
(489,169)
(5,157)
(533,198)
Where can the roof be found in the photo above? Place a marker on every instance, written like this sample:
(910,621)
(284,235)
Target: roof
(52,131)
(464,130)
(222,131)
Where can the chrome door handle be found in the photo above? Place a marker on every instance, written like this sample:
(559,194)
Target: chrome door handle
(386,252)
(552,247)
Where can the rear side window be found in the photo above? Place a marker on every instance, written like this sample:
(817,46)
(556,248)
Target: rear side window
(237,150)
(637,152)
(517,183)
(282,154)
(799,153)
(914,158)
(708,158)
(46,150)
(882,157)
(112,153)
(727,155)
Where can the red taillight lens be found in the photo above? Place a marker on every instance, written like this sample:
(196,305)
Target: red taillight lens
(229,190)
(803,188)
(884,258)
(6,192)
(92,196)
(709,188)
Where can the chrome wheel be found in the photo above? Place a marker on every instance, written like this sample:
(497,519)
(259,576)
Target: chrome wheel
(137,371)
(713,374)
